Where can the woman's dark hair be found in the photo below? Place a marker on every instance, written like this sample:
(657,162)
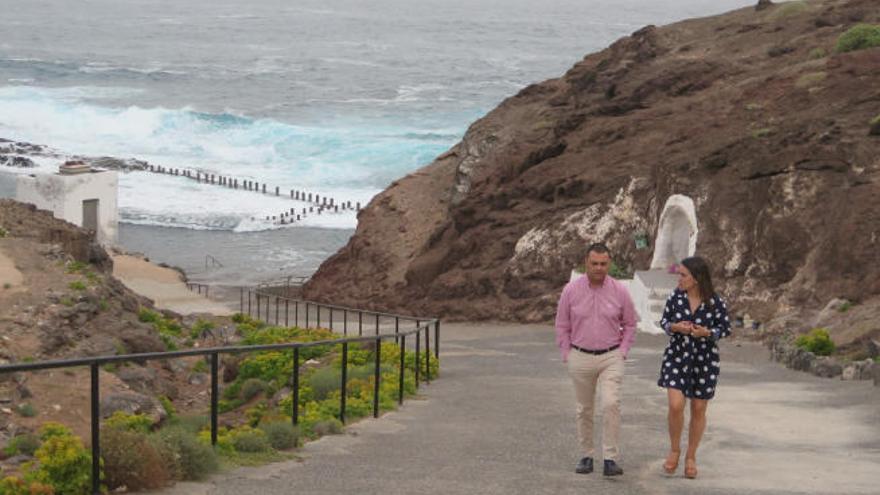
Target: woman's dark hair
(700,271)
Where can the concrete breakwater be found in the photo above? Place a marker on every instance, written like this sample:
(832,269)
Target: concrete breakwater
(318,204)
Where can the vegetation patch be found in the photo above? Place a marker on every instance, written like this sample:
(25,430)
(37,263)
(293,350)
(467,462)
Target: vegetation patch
(27,410)
(790,9)
(818,341)
(25,444)
(810,80)
(817,53)
(859,37)
(875,126)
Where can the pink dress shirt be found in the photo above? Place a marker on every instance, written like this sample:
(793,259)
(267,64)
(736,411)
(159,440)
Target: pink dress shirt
(595,317)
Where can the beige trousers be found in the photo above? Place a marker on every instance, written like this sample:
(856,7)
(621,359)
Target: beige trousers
(587,371)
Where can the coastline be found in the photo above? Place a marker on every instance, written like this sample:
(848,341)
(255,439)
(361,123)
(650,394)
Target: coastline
(233,259)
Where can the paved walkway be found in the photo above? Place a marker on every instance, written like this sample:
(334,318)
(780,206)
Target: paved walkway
(501,421)
(164,286)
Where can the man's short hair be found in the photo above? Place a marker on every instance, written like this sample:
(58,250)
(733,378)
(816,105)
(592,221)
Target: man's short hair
(598,248)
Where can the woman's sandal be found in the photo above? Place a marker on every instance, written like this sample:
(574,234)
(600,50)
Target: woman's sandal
(671,463)
(690,468)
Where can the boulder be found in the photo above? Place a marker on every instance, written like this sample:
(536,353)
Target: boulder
(132,403)
(146,380)
(763,4)
(826,367)
(141,338)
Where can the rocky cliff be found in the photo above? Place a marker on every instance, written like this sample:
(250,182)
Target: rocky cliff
(753,114)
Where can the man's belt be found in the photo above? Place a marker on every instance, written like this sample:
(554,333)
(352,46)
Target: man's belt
(595,352)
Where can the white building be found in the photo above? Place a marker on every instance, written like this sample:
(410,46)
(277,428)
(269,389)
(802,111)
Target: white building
(78,194)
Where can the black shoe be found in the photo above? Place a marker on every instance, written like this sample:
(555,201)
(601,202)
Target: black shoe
(611,468)
(585,466)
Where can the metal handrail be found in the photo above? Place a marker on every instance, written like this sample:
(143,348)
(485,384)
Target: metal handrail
(94,363)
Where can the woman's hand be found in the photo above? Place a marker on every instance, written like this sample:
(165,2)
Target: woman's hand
(682,327)
(700,331)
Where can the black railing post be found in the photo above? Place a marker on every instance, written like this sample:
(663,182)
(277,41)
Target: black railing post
(287,312)
(215,392)
(249,303)
(259,313)
(360,323)
(427,353)
(396,328)
(295,412)
(345,322)
(296,313)
(402,369)
(344,379)
(268,303)
(96,429)
(377,323)
(307,315)
(437,339)
(318,316)
(418,355)
(277,307)
(331,317)
(376,377)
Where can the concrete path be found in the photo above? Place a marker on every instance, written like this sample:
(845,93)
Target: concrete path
(164,286)
(501,421)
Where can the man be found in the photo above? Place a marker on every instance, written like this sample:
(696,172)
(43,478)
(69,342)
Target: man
(595,328)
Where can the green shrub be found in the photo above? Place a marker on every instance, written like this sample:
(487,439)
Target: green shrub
(27,410)
(859,37)
(148,316)
(124,421)
(789,9)
(132,461)
(76,266)
(25,444)
(3,232)
(281,435)
(323,381)
(77,285)
(327,427)
(246,439)
(199,328)
(817,53)
(810,80)
(11,485)
(201,366)
(63,461)
(252,387)
(195,460)
(846,306)
(192,424)
(168,406)
(817,341)
(7,285)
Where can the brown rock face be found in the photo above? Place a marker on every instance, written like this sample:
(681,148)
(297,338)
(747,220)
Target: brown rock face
(740,112)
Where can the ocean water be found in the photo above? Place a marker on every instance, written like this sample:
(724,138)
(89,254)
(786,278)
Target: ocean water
(337,97)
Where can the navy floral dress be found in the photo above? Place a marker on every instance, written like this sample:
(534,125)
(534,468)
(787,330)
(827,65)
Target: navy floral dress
(691,364)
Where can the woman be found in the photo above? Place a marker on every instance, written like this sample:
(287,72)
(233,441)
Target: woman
(695,318)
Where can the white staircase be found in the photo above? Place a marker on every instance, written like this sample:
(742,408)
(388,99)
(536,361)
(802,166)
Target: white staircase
(649,290)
